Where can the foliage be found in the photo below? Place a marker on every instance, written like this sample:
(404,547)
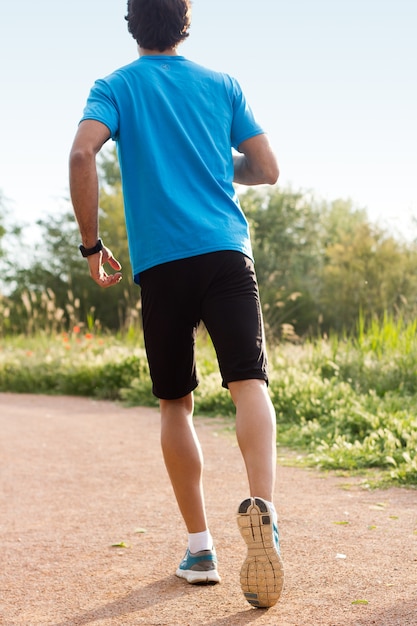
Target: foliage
(2,225)
(75,363)
(375,421)
(54,291)
(369,272)
(319,266)
(10,235)
(338,400)
(285,238)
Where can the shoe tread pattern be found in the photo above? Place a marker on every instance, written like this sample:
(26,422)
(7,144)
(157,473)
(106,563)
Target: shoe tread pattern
(262,574)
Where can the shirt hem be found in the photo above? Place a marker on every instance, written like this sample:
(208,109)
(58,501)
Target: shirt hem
(179,256)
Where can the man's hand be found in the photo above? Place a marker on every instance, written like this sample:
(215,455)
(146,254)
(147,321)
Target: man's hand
(97,271)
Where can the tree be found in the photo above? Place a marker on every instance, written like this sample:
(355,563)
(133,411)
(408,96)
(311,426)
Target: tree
(285,230)
(10,235)
(57,268)
(319,265)
(368,272)
(113,231)
(2,226)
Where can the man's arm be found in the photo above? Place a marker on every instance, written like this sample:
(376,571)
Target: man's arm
(83,179)
(257,164)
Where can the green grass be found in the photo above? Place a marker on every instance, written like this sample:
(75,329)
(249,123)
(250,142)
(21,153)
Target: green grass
(74,364)
(346,404)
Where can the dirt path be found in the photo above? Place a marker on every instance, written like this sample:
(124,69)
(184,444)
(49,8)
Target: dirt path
(79,475)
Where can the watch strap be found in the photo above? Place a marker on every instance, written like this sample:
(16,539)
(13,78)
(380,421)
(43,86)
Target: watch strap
(89,251)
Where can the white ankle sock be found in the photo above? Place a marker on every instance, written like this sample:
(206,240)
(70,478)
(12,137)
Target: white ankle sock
(200,541)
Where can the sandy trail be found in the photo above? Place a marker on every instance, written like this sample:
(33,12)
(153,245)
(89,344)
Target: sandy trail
(79,475)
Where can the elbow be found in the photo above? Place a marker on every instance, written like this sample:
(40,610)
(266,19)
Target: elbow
(269,165)
(270,169)
(273,175)
(80,157)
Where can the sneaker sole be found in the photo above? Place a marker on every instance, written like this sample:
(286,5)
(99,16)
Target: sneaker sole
(262,573)
(210,577)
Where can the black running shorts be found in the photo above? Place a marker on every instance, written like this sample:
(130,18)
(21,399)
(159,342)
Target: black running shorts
(219,289)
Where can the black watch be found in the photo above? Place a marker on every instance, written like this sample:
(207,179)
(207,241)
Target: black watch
(89,251)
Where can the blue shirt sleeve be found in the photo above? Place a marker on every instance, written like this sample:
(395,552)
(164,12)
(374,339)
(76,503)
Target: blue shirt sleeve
(101,106)
(244,124)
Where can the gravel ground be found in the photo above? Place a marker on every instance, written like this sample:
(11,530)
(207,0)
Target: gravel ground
(79,476)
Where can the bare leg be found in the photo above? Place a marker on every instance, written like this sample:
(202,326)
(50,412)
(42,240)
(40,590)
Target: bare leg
(184,460)
(256,434)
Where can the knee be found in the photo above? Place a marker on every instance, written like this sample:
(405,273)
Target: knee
(245,388)
(183,406)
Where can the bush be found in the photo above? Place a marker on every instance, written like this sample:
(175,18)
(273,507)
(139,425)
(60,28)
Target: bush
(342,402)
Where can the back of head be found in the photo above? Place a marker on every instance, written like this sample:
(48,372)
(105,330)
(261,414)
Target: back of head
(158,24)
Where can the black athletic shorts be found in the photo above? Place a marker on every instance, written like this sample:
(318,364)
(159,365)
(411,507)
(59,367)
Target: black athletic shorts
(219,289)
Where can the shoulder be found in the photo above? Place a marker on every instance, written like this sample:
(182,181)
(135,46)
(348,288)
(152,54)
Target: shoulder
(122,72)
(215,75)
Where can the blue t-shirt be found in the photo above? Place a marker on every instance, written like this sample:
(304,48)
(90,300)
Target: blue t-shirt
(175,123)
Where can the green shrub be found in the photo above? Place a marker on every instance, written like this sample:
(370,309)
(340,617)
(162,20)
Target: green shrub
(346,403)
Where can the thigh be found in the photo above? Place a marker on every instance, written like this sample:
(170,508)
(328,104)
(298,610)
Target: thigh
(232,314)
(169,328)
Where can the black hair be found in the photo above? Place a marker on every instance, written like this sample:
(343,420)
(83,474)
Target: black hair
(158,24)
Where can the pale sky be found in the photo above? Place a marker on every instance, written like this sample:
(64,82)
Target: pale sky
(333,82)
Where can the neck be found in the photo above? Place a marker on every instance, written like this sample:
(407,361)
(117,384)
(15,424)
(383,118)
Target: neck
(172,52)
